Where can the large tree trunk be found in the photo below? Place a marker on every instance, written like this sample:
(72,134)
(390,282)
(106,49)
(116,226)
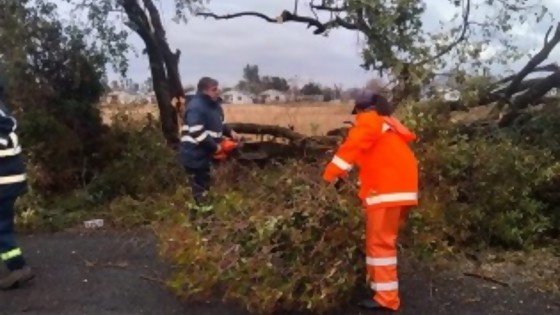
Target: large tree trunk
(163,64)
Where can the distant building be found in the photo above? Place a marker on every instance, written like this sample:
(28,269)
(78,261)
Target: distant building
(236,97)
(119,97)
(152,98)
(123,97)
(272,96)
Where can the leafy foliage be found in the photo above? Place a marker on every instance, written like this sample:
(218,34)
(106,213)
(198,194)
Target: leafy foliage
(311,89)
(264,242)
(252,81)
(473,35)
(55,81)
(273,245)
(137,162)
(266,238)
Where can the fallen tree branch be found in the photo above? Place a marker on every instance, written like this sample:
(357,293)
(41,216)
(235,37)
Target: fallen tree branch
(520,93)
(474,275)
(541,56)
(273,130)
(295,138)
(533,95)
(153,279)
(298,145)
(547,68)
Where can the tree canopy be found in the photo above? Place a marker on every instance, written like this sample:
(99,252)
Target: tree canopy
(396,42)
(253,82)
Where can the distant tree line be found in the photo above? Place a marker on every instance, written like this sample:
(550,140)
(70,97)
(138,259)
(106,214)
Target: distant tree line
(253,83)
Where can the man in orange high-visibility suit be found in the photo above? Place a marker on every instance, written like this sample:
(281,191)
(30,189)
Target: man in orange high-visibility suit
(388,175)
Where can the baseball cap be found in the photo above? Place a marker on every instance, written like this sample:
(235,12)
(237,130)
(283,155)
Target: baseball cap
(366,98)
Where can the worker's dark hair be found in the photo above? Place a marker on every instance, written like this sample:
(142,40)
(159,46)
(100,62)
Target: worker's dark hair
(205,82)
(382,105)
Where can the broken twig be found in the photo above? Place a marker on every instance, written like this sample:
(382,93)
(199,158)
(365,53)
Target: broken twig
(474,275)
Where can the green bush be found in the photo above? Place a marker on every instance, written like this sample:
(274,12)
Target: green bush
(133,166)
(269,234)
(481,192)
(485,189)
(137,162)
(279,240)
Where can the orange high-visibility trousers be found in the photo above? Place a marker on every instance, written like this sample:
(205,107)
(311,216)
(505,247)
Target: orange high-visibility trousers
(382,229)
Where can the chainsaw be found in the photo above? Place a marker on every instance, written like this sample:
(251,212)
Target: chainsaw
(227,148)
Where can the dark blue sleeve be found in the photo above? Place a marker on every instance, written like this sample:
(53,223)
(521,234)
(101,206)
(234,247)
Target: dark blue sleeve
(7,122)
(196,123)
(7,125)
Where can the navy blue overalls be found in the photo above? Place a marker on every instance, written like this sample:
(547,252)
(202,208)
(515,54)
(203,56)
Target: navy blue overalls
(13,183)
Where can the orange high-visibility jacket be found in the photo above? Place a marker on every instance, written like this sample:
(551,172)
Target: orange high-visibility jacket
(379,146)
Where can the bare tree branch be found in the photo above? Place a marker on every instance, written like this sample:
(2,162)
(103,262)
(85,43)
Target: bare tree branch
(236,15)
(287,16)
(535,61)
(548,68)
(462,36)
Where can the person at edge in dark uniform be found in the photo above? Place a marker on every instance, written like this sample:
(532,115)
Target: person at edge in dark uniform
(201,135)
(13,183)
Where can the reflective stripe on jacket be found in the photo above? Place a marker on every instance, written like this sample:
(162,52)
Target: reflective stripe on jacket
(202,131)
(388,169)
(13,180)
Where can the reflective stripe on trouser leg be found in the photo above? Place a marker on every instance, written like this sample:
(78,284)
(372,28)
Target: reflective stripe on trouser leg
(382,227)
(10,253)
(16,252)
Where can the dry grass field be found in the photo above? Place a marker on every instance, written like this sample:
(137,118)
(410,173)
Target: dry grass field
(306,118)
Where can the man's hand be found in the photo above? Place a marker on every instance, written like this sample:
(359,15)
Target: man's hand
(235,136)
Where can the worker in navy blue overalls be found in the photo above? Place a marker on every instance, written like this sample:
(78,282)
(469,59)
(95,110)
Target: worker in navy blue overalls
(13,183)
(201,135)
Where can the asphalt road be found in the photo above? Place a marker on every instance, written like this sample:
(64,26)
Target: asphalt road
(118,273)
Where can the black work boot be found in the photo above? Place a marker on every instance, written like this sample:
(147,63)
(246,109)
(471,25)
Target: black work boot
(16,278)
(370,304)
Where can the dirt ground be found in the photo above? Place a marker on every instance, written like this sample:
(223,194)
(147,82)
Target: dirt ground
(306,118)
(119,273)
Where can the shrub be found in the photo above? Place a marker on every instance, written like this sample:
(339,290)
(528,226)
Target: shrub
(278,240)
(481,192)
(137,162)
(133,167)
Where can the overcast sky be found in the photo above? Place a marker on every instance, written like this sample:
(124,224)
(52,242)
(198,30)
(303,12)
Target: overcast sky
(222,48)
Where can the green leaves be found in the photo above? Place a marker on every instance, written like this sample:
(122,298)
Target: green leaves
(277,244)
(485,189)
